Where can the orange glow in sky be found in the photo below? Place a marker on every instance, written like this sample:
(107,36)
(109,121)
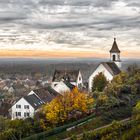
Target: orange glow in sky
(59,54)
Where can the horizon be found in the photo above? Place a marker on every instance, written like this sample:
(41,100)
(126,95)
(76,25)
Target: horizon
(64,58)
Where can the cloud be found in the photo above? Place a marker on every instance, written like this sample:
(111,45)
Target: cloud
(68,24)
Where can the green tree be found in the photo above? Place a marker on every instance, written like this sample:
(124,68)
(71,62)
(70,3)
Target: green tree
(2,123)
(136,111)
(99,82)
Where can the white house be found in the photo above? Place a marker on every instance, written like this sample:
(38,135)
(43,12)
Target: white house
(72,76)
(63,87)
(25,107)
(109,69)
(28,105)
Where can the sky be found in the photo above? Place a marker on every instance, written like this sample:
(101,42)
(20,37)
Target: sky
(69,28)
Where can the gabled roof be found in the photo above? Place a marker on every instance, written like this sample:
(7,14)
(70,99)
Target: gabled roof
(39,96)
(111,67)
(115,48)
(34,101)
(46,94)
(69,85)
(67,75)
(52,91)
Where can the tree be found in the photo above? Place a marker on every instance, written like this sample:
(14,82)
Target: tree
(65,107)
(136,111)
(2,123)
(102,99)
(120,78)
(99,82)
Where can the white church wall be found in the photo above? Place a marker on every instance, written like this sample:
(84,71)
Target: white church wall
(102,69)
(117,56)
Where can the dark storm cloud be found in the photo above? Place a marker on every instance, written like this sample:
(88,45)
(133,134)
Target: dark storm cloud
(133,3)
(25,9)
(9,16)
(96,3)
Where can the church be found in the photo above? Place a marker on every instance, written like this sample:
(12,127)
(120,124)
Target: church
(109,69)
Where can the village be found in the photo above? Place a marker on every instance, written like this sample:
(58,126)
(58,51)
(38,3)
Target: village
(67,101)
(43,91)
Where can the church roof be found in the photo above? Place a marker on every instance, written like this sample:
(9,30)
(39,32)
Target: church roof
(67,75)
(111,67)
(115,48)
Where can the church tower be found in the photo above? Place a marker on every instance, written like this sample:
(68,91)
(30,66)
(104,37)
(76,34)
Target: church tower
(115,54)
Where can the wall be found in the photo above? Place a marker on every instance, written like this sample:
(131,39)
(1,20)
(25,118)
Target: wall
(61,87)
(79,80)
(99,69)
(117,56)
(21,102)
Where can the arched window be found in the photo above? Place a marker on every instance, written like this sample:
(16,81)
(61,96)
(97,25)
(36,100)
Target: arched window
(114,58)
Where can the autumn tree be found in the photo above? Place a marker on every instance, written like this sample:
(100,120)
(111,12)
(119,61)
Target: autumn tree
(99,82)
(62,108)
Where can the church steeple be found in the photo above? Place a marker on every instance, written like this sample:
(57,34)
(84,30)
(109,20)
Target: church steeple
(114,48)
(115,54)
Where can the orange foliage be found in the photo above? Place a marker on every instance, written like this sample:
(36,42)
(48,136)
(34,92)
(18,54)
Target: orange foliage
(62,107)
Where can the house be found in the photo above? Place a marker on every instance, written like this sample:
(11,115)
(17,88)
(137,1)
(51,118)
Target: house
(25,107)
(28,105)
(109,69)
(63,87)
(72,76)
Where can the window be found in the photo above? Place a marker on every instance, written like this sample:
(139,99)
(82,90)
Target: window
(26,114)
(18,113)
(79,78)
(18,106)
(55,85)
(26,106)
(114,58)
